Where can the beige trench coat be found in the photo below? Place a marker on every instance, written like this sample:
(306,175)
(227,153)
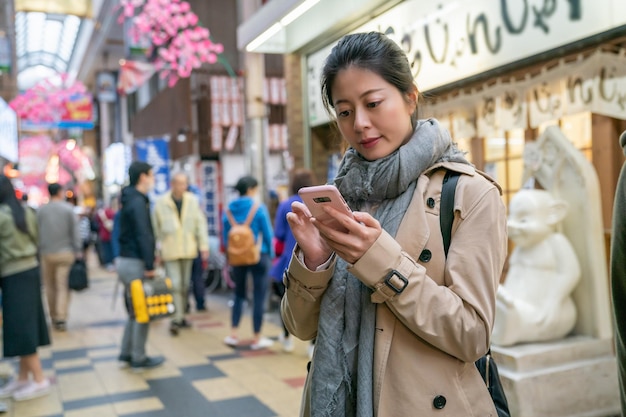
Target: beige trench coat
(429,335)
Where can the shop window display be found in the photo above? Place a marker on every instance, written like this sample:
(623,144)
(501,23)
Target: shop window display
(503,160)
(577,128)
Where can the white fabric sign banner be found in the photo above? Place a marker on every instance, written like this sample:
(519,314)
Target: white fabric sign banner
(513,111)
(545,102)
(488,114)
(610,99)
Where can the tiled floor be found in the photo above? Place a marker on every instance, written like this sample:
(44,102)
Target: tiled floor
(201,376)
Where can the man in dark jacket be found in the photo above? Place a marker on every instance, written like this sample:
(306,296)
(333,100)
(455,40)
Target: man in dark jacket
(618,274)
(136,259)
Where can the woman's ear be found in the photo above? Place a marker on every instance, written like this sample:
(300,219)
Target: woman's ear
(412,98)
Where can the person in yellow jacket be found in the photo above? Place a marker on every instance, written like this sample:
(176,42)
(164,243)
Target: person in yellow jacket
(180,228)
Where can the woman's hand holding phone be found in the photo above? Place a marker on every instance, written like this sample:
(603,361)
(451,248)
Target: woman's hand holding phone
(349,234)
(315,249)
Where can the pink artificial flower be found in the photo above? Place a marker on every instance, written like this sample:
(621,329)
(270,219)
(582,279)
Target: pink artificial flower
(192,19)
(172,80)
(218,48)
(166,54)
(180,21)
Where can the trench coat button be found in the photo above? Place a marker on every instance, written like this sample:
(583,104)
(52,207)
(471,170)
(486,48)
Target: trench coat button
(430,202)
(426,255)
(439,402)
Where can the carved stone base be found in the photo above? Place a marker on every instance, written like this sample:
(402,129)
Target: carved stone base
(576,376)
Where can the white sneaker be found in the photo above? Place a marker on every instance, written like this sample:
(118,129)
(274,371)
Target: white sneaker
(32,390)
(10,387)
(231,341)
(262,343)
(287,343)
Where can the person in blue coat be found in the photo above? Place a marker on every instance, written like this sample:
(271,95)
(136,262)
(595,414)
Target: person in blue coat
(247,187)
(285,242)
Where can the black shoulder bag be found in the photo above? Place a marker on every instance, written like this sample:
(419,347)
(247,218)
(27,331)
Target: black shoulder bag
(486,365)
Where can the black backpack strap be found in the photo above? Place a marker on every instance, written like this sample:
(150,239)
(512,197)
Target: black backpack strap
(446,207)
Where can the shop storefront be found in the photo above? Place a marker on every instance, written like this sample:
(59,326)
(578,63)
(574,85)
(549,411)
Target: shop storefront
(496,74)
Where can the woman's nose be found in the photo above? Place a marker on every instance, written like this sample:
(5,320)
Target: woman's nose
(361,120)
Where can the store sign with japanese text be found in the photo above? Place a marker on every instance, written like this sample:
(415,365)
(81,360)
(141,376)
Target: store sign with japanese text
(450,40)
(77,112)
(596,83)
(155,151)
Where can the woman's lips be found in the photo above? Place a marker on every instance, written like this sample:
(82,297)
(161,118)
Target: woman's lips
(370,142)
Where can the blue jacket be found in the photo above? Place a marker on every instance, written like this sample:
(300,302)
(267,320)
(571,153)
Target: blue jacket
(282,232)
(261,223)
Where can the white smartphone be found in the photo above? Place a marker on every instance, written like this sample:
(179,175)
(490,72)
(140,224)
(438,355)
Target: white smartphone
(317,196)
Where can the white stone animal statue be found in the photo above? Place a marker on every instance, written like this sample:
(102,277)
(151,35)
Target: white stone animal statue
(535,302)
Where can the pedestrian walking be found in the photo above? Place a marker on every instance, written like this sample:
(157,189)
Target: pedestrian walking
(181,232)
(24,326)
(136,260)
(240,209)
(59,246)
(104,222)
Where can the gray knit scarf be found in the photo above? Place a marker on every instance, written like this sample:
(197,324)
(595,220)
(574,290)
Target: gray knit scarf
(342,377)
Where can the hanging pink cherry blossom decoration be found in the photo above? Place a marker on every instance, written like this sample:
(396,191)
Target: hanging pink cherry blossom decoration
(46,101)
(178,44)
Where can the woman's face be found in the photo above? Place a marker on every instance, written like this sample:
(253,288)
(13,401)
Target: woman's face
(372,114)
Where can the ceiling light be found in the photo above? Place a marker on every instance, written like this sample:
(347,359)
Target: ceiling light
(259,40)
(298,11)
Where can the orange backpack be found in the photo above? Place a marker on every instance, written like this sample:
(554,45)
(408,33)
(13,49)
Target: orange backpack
(242,249)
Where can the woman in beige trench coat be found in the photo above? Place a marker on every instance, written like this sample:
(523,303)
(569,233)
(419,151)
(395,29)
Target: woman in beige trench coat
(398,325)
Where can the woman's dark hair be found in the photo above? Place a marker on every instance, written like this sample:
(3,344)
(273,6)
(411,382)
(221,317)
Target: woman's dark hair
(246,183)
(8,197)
(302,178)
(372,51)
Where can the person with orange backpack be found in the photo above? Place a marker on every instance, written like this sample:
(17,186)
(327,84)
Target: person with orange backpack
(247,234)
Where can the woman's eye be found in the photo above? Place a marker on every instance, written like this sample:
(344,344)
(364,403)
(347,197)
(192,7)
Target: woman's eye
(373,104)
(344,113)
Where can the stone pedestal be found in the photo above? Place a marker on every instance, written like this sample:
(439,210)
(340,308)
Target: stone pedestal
(575,376)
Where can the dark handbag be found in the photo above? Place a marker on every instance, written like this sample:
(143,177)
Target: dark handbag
(486,365)
(489,371)
(78,279)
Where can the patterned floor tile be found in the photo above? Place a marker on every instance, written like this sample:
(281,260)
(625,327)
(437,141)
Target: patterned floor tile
(246,406)
(193,373)
(135,406)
